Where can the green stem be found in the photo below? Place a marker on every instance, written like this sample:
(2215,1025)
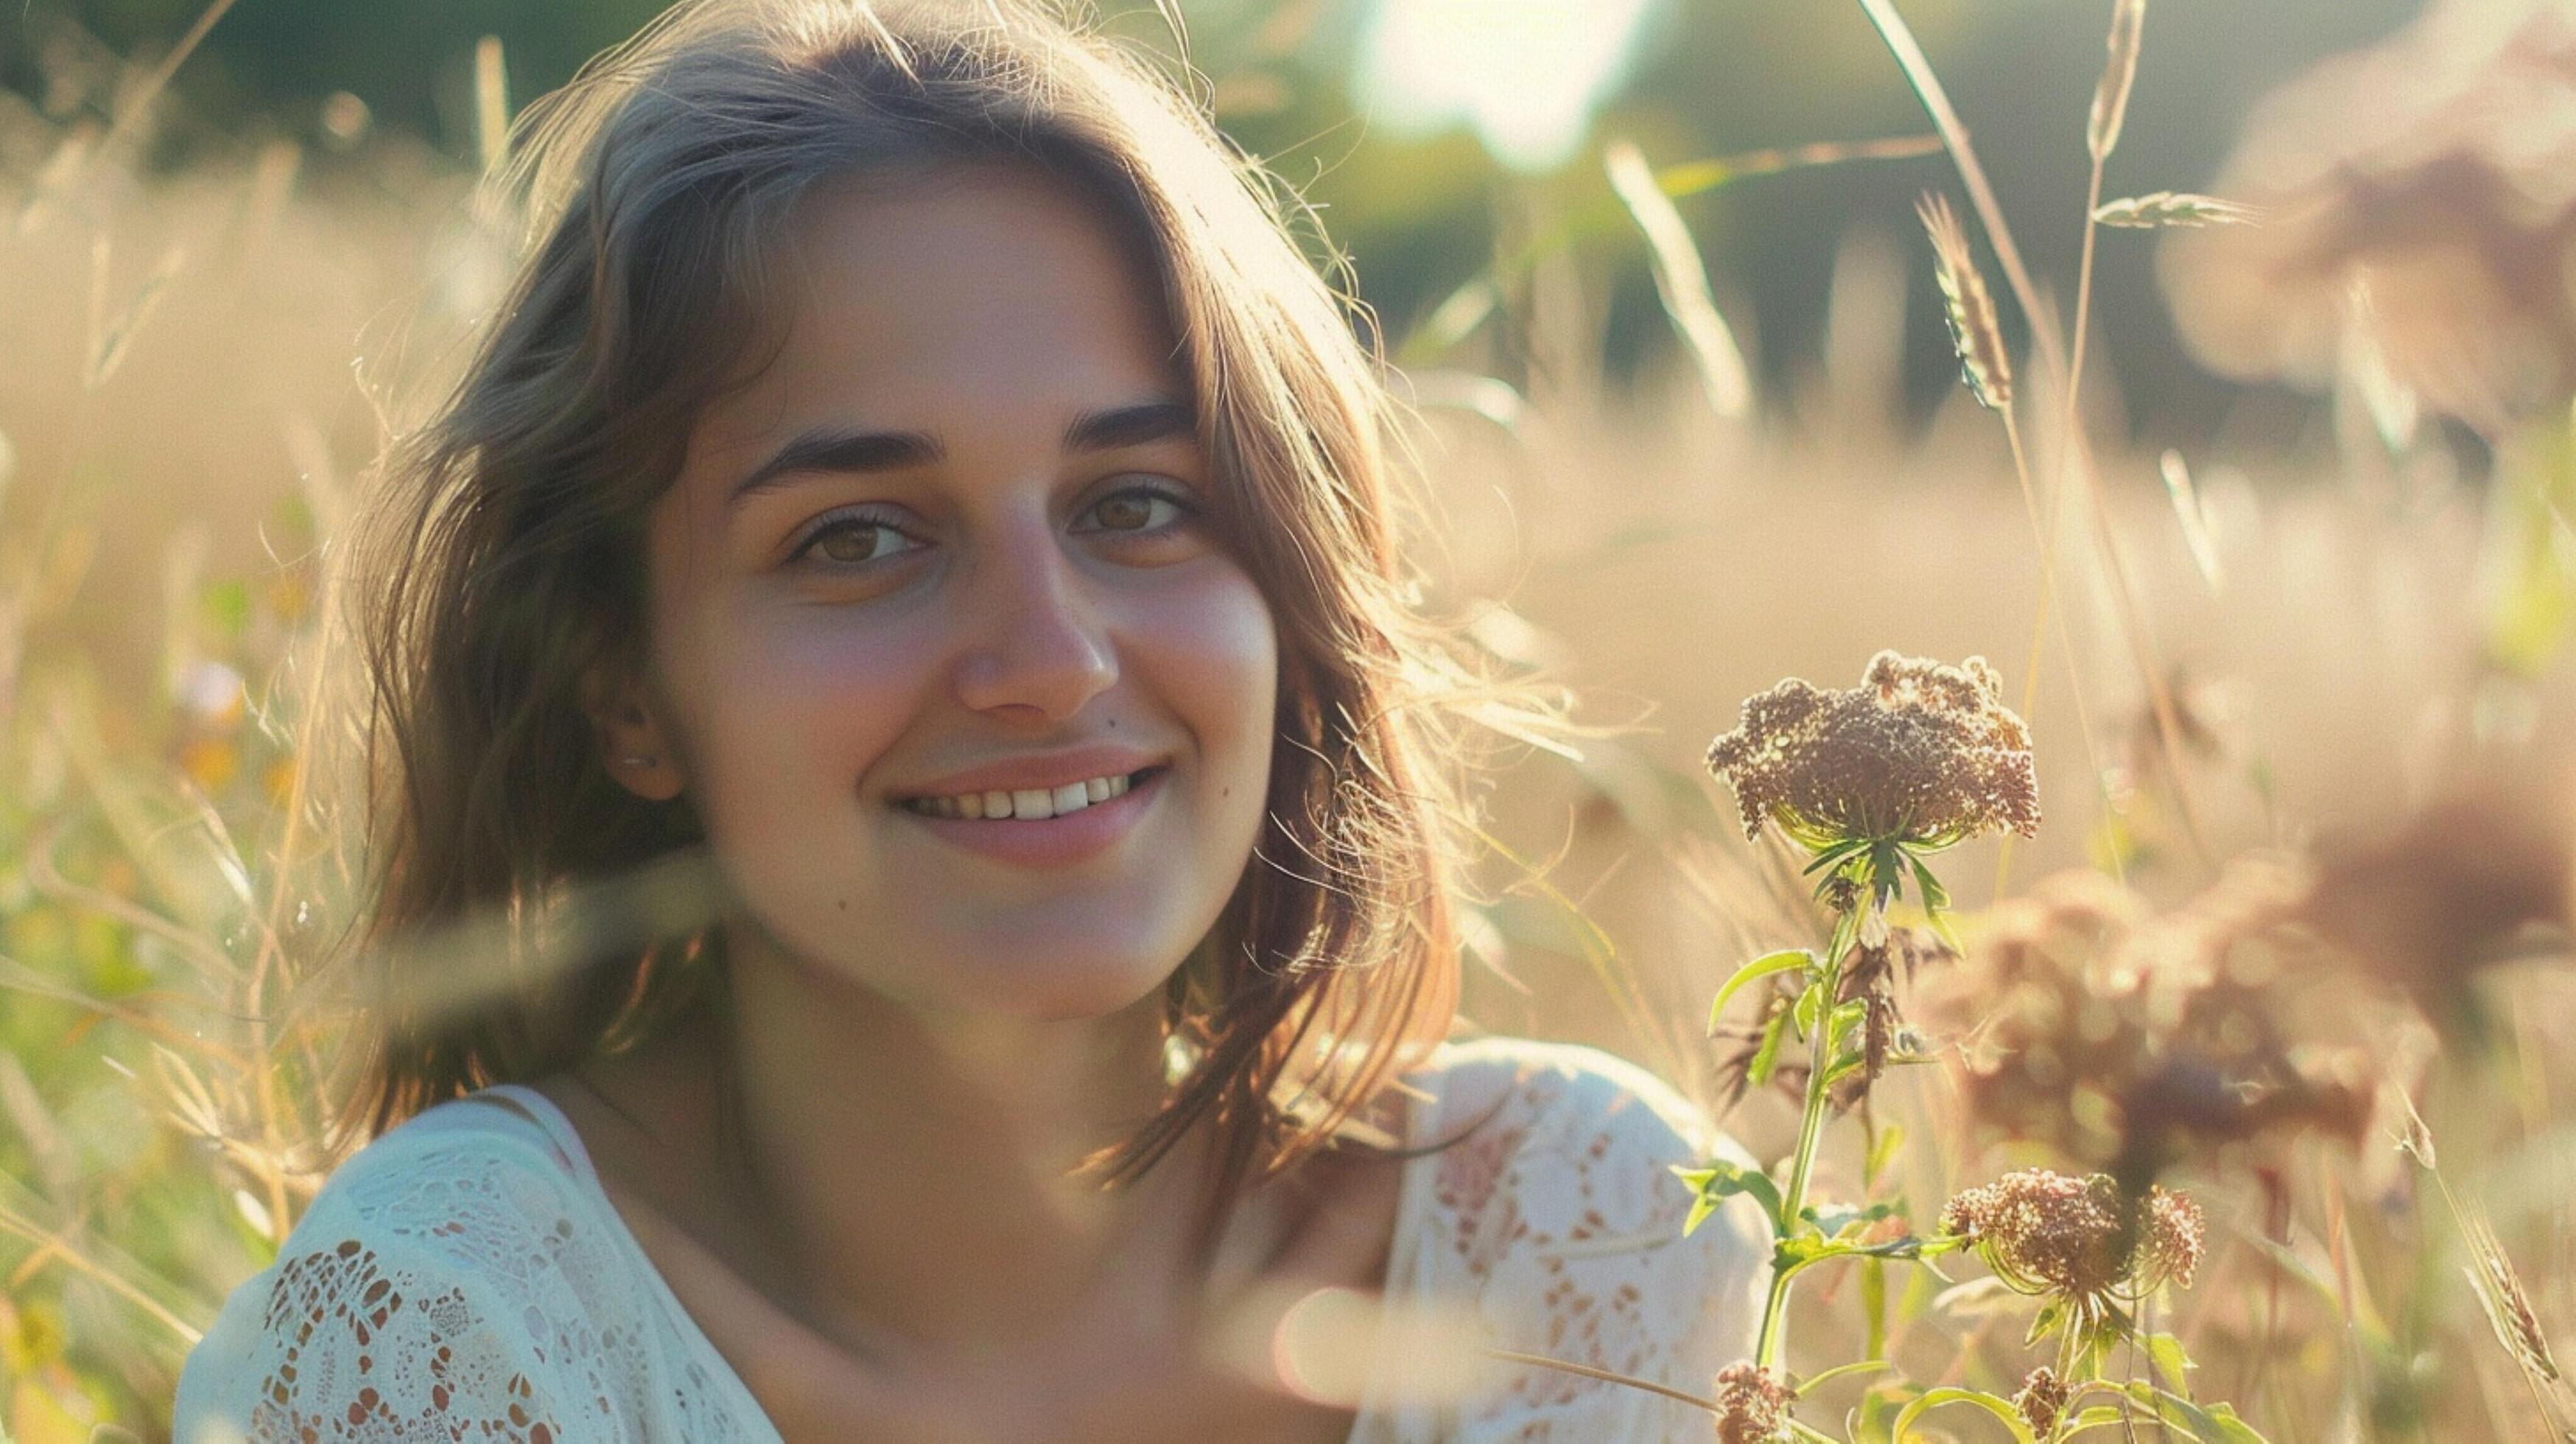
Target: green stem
(1811,1128)
(2068,1351)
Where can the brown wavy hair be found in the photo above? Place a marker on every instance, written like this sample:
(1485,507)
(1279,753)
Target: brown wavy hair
(504,564)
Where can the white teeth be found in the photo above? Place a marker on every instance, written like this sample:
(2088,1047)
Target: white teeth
(1026,802)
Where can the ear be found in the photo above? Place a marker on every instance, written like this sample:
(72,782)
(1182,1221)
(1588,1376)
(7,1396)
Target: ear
(634,743)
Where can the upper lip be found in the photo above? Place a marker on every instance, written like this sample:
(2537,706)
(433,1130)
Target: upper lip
(1046,769)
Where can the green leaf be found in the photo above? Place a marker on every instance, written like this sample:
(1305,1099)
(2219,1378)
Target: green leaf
(1814,1382)
(1873,1304)
(1851,1059)
(1723,1180)
(2165,1352)
(2046,1322)
(1767,1056)
(1836,1220)
(2210,1424)
(1936,905)
(1805,1016)
(1932,1399)
(1761,967)
(1882,1150)
(1873,1419)
(2094,1416)
(1836,853)
(1845,928)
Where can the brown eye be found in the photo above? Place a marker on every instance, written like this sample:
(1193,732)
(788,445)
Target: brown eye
(850,542)
(1135,510)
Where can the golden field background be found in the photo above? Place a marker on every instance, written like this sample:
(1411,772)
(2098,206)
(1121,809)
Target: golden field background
(198,363)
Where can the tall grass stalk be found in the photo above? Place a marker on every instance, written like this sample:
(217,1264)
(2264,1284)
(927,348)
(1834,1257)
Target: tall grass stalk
(1927,87)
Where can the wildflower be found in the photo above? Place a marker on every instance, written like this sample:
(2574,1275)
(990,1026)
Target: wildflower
(2042,1398)
(2079,1239)
(2417,221)
(1753,1405)
(1919,754)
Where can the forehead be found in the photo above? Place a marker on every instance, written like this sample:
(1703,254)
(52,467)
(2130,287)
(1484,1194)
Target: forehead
(978,282)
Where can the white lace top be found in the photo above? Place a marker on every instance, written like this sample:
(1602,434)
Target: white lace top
(464,1276)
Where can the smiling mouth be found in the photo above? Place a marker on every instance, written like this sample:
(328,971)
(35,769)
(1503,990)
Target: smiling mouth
(1030,803)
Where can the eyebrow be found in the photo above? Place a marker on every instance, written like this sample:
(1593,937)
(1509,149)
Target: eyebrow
(840,450)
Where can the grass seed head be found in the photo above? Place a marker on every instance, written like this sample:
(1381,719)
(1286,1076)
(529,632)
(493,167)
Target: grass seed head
(2158,209)
(2507,1304)
(1753,1405)
(1919,753)
(2119,77)
(1968,306)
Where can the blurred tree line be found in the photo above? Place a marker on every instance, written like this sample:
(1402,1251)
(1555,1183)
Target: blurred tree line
(1419,212)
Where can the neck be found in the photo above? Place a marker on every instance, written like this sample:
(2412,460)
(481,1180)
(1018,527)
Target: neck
(912,1168)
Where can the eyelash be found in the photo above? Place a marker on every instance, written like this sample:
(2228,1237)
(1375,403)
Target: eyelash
(865,518)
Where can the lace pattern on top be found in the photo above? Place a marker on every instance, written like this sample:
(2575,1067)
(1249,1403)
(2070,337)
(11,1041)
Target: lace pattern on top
(460,1287)
(1561,1221)
(464,1277)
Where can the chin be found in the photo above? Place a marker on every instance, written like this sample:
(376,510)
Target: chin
(1055,989)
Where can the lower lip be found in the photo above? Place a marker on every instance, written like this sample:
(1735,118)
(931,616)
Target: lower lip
(1048,841)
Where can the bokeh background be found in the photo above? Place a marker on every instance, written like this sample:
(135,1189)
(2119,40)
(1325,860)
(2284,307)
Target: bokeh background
(2322,508)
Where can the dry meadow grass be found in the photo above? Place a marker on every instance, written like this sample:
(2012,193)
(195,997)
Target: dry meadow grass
(194,377)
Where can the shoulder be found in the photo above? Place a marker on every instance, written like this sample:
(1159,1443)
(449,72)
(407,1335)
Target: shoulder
(422,1291)
(1560,1217)
(1541,1103)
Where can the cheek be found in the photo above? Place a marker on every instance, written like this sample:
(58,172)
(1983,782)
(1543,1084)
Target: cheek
(1213,655)
(795,705)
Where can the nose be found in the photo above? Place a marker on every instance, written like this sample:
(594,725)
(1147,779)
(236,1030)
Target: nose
(1036,646)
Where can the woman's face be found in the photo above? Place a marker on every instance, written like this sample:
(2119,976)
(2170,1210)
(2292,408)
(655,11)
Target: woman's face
(954,549)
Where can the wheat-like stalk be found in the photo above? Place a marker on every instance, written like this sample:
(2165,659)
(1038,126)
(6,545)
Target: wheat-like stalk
(2173,208)
(2119,77)
(2507,1303)
(1970,307)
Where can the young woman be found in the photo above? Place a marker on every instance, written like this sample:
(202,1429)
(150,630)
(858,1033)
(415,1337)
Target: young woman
(916,480)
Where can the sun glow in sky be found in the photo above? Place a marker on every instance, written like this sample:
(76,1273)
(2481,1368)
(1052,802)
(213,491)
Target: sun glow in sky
(1527,74)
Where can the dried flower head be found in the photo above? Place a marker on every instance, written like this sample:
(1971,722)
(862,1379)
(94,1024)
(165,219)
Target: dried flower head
(2042,1398)
(2079,1239)
(1870,979)
(2126,1039)
(1919,754)
(1753,1405)
(2419,204)
(2452,890)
